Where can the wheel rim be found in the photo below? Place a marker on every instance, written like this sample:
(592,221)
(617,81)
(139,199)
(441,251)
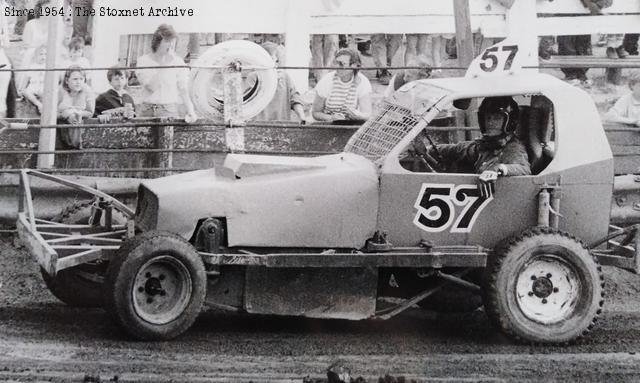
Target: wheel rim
(547,289)
(161,290)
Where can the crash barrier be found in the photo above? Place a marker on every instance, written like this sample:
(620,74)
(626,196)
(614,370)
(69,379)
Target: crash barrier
(130,148)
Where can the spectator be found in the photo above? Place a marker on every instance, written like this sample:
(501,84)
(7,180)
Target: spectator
(323,49)
(545,47)
(615,49)
(76,54)
(613,41)
(627,109)
(383,48)
(164,89)
(416,46)
(21,20)
(630,43)
(112,102)
(285,99)
(579,45)
(409,74)
(344,94)
(82,22)
(75,102)
(32,85)
(34,35)
(437,47)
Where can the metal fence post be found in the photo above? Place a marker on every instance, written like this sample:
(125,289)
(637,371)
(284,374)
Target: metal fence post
(234,132)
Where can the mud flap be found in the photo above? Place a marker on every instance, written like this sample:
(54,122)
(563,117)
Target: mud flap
(339,293)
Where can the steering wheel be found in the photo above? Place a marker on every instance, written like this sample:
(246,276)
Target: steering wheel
(421,152)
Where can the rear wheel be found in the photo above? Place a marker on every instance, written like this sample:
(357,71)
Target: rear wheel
(544,286)
(80,286)
(155,286)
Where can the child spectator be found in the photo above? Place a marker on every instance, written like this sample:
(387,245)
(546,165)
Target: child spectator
(32,82)
(285,99)
(76,101)
(112,102)
(627,109)
(76,52)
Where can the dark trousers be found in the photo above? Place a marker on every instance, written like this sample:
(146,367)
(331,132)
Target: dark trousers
(579,45)
(630,43)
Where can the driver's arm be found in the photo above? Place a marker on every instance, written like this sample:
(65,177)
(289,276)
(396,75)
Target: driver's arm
(513,161)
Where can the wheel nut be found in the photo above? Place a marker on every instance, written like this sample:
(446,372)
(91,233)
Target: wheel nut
(544,301)
(533,278)
(140,289)
(161,277)
(530,293)
(149,300)
(555,290)
(548,275)
(147,275)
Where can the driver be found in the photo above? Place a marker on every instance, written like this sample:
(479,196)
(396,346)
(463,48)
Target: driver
(498,153)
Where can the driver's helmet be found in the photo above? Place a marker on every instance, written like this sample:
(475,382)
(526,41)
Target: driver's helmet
(505,106)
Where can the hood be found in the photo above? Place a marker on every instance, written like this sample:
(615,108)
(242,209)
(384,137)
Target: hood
(270,201)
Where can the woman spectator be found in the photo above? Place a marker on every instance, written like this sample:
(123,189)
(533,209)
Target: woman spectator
(164,88)
(76,102)
(344,94)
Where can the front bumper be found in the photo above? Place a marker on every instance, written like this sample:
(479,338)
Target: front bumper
(57,246)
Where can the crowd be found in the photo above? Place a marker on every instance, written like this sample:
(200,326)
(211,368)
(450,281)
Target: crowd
(343,95)
(619,46)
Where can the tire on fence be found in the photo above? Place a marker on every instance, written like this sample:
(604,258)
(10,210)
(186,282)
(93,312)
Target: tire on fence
(79,286)
(155,286)
(206,84)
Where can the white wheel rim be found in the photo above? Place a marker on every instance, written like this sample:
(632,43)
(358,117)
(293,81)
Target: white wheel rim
(547,289)
(161,290)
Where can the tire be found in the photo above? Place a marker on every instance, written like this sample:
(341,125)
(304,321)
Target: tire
(80,213)
(155,286)
(79,286)
(544,286)
(206,85)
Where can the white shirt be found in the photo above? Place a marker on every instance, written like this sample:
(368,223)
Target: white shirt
(325,87)
(625,107)
(166,83)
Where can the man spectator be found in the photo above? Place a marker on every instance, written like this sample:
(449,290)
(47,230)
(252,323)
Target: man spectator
(615,48)
(578,45)
(630,43)
(384,47)
(323,50)
(408,75)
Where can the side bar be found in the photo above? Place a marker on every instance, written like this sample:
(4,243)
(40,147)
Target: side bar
(436,257)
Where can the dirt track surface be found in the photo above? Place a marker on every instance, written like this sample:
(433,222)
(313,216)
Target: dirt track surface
(44,340)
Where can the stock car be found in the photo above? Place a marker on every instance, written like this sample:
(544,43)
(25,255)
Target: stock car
(330,236)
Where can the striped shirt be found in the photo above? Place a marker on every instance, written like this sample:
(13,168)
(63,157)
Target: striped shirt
(339,95)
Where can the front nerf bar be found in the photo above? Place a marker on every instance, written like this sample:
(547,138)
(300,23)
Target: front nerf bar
(58,246)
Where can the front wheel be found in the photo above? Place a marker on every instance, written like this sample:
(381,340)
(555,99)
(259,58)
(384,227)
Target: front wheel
(544,286)
(155,286)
